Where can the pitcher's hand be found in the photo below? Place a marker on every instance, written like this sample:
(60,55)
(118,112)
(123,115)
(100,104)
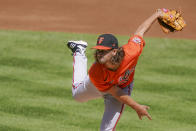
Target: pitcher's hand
(142,111)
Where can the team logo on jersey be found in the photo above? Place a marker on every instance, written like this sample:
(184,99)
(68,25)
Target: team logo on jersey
(125,77)
(137,40)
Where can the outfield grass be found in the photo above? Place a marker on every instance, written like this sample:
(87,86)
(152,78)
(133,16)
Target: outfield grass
(36,76)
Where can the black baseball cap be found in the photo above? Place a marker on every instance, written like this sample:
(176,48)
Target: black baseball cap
(106,42)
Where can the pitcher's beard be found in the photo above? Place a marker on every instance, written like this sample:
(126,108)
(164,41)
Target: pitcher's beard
(99,56)
(100,59)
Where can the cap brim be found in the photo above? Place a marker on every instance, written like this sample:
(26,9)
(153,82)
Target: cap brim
(101,47)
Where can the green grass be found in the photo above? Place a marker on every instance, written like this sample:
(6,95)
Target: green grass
(36,76)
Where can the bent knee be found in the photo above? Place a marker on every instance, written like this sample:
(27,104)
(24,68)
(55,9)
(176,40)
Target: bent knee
(78,98)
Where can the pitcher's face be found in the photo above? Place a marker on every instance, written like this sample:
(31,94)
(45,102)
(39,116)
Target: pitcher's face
(102,56)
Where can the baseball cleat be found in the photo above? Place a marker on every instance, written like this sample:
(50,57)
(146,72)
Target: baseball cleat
(77,46)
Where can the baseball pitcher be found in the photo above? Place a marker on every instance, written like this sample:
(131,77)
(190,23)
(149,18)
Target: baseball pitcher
(111,76)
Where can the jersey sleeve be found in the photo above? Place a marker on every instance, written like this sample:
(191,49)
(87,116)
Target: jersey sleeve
(135,45)
(97,77)
(137,40)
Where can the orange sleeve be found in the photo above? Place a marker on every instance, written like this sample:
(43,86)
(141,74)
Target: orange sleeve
(138,40)
(134,46)
(97,77)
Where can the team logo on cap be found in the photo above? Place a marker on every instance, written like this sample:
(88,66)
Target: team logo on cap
(100,40)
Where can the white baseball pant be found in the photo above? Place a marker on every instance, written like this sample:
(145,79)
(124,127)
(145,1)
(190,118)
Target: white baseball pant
(84,90)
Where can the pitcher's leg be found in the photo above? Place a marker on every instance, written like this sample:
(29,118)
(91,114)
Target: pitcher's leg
(79,69)
(113,110)
(86,91)
(112,113)
(82,88)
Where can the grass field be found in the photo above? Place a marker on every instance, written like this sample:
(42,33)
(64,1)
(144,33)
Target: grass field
(36,76)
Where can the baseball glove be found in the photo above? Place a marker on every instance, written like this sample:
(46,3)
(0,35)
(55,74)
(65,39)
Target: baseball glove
(171,21)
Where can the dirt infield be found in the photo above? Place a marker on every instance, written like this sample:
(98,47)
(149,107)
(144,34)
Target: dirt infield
(92,16)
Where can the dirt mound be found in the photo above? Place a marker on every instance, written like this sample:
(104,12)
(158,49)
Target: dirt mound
(92,16)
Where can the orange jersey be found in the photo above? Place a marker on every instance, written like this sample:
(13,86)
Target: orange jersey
(104,79)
